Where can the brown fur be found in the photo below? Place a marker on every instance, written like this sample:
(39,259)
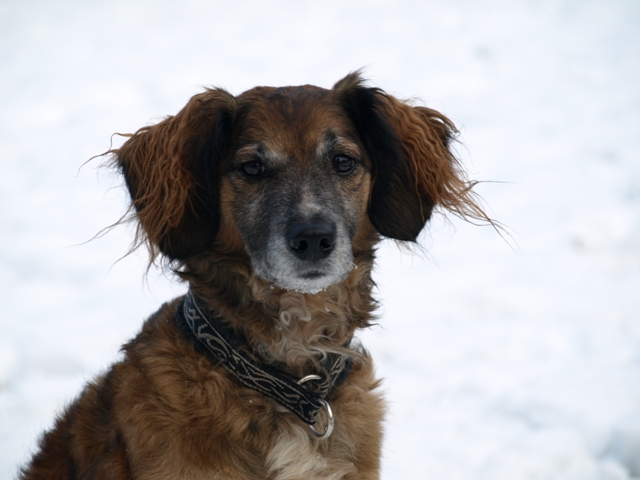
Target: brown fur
(165,411)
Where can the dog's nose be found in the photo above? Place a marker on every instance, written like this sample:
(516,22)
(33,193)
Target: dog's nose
(312,240)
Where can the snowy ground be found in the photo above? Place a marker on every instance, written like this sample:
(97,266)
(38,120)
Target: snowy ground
(501,362)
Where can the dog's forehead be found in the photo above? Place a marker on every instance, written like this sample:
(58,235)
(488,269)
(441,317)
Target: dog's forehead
(291,119)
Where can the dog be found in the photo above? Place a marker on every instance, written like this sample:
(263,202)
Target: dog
(269,205)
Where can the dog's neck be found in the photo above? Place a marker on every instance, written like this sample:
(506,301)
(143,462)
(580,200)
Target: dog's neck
(284,327)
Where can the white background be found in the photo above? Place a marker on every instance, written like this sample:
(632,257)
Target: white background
(503,360)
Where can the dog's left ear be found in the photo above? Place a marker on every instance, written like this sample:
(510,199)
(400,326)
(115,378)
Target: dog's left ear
(413,168)
(172,172)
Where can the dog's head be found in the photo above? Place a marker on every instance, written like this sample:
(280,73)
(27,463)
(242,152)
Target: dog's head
(298,178)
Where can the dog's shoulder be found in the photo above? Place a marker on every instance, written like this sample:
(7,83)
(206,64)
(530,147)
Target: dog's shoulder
(89,438)
(150,413)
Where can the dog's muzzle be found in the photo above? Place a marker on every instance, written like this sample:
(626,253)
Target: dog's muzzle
(305,255)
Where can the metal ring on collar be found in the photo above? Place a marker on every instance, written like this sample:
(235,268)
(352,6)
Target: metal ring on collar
(327,407)
(330,423)
(308,378)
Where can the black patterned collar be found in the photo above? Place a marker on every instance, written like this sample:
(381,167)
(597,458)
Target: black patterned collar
(224,347)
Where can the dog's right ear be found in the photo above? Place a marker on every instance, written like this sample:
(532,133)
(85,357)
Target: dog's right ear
(172,172)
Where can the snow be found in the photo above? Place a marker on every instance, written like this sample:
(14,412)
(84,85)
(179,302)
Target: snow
(516,359)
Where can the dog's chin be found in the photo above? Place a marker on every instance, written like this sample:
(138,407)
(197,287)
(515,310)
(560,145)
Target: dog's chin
(311,282)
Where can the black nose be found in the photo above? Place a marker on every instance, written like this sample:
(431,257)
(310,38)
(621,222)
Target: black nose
(312,240)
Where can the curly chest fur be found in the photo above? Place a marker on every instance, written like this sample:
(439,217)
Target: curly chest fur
(295,456)
(229,428)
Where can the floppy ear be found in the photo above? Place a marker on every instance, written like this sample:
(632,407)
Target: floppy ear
(172,172)
(413,168)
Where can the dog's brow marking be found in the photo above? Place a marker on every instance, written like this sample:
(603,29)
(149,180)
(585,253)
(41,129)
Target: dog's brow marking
(336,143)
(323,148)
(272,156)
(248,150)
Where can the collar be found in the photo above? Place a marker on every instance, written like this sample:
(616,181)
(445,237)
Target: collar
(223,346)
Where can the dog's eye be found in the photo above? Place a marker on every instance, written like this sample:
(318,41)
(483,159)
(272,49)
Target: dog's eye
(252,169)
(343,164)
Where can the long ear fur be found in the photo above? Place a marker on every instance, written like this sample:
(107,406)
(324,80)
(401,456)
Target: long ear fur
(172,172)
(413,168)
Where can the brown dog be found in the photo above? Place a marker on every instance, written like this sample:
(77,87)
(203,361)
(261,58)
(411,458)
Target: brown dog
(269,205)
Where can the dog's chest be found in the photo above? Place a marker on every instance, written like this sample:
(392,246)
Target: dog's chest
(295,455)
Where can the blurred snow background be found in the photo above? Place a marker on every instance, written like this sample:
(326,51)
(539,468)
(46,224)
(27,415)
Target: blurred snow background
(500,363)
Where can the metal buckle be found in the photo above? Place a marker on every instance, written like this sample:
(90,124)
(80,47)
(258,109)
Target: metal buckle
(330,420)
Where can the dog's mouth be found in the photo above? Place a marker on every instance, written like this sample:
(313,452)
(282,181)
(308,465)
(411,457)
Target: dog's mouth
(312,275)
